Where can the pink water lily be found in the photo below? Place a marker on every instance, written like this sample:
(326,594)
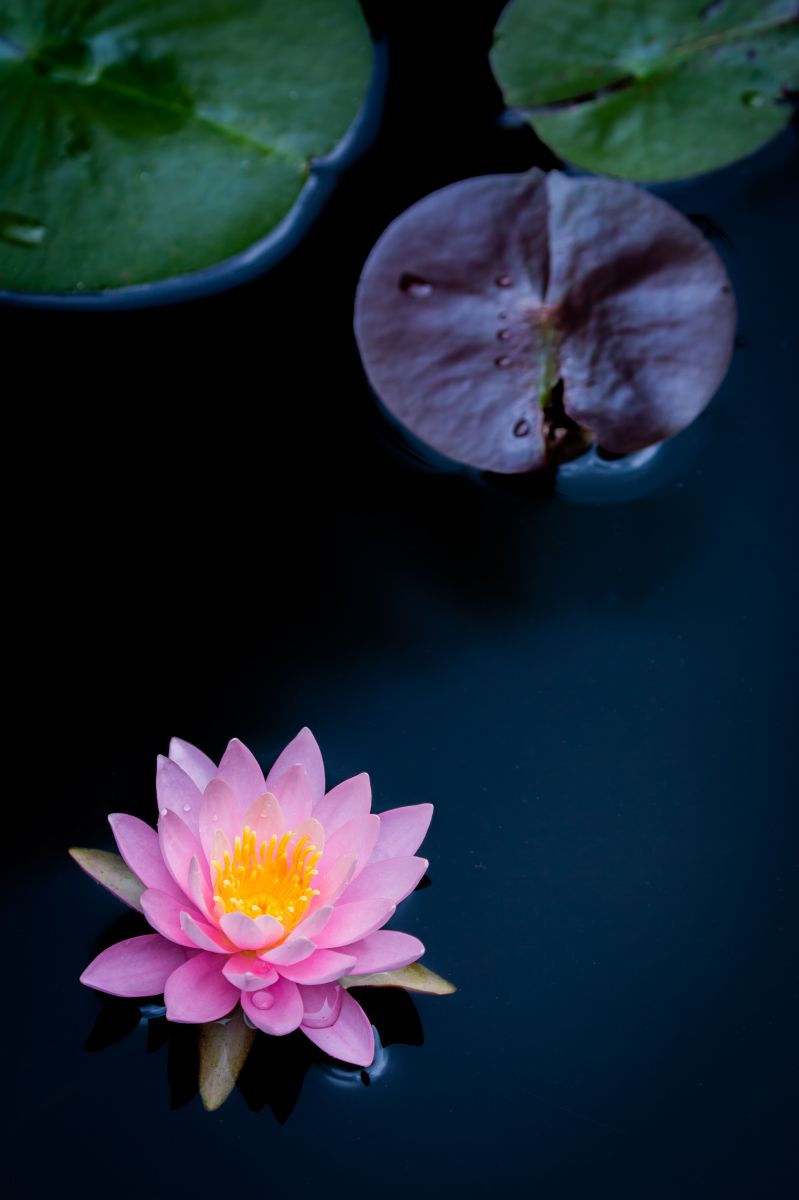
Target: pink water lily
(265,892)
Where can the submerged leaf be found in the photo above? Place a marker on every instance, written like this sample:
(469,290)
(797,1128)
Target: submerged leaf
(112,871)
(145,139)
(224,1047)
(415,978)
(655,91)
(509,319)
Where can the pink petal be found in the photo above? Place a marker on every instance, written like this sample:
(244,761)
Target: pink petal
(393,878)
(205,937)
(239,769)
(139,966)
(138,845)
(293,950)
(351,922)
(250,933)
(321,1004)
(293,790)
(357,837)
(198,766)
(178,847)
(284,1012)
(325,966)
(220,809)
(248,973)
(265,818)
(352,798)
(177,792)
(385,950)
(310,926)
(332,883)
(200,891)
(198,991)
(164,914)
(350,1038)
(402,831)
(302,750)
(312,830)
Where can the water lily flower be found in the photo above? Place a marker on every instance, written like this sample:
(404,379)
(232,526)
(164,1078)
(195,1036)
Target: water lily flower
(265,892)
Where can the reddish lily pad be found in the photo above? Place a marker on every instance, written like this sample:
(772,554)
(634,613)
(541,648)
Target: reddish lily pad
(510,320)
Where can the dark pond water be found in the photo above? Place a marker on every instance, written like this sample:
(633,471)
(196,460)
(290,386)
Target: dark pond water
(596,696)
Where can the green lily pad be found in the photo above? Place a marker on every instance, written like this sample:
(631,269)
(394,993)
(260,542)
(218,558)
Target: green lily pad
(143,139)
(415,978)
(650,91)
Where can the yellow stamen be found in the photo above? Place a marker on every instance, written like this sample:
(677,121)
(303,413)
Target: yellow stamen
(267,879)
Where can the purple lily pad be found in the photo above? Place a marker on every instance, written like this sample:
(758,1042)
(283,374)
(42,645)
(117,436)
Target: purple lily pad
(510,320)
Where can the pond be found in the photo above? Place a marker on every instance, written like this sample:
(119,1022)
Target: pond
(591,680)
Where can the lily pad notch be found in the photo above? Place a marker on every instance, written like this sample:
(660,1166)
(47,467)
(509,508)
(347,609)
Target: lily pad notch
(650,92)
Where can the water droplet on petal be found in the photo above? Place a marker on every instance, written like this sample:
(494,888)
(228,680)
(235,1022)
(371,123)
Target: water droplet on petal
(20,230)
(503,335)
(263,999)
(187,808)
(503,281)
(502,361)
(164,811)
(521,428)
(414,285)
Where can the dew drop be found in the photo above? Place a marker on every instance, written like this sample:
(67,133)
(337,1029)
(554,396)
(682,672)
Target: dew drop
(502,361)
(503,281)
(164,811)
(21,230)
(502,316)
(215,817)
(521,428)
(414,285)
(187,808)
(753,99)
(503,335)
(263,999)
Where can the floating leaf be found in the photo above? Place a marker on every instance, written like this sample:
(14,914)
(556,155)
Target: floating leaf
(147,138)
(510,319)
(224,1047)
(415,978)
(112,872)
(655,91)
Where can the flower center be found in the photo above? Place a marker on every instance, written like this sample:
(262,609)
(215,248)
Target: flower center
(266,879)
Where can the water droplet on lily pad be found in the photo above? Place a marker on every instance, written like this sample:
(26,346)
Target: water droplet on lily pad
(414,285)
(21,230)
